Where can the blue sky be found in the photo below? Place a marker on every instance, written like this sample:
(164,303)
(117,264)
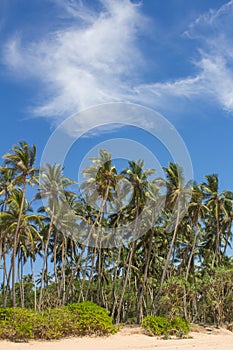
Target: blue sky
(60,57)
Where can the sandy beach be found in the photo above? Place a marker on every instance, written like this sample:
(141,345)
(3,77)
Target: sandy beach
(130,338)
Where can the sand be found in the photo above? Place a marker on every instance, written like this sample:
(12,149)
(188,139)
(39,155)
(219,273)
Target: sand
(134,339)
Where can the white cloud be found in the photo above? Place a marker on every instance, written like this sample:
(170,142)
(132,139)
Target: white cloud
(85,64)
(97,59)
(213,33)
(213,83)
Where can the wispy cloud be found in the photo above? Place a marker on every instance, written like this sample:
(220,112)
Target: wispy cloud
(213,82)
(89,62)
(95,58)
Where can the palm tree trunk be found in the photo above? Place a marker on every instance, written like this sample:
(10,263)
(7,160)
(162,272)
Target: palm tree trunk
(141,294)
(170,251)
(63,281)
(126,280)
(34,283)
(20,279)
(15,243)
(55,264)
(45,260)
(70,284)
(6,279)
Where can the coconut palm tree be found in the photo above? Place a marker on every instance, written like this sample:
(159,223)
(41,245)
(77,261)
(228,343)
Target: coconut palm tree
(138,178)
(52,189)
(28,235)
(6,186)
(218,219)
(21,160)
(178,194)
(99,190)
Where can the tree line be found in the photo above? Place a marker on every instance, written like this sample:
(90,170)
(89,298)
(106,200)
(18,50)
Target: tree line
(127,240)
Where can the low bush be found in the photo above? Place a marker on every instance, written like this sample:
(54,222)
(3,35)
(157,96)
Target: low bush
(90,318)
(156,324)
(79,319)
(180,325)
(16,324)
(161,326)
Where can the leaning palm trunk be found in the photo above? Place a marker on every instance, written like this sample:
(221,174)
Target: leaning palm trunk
(55,264)
(20,279)
(34,283)
(63,280)
(45,260)
(90,279)
(15,244)
(98,251)
(126,281)
(187,274)
(128,270)
(170,251)
(7,278)
(114,283)
(4,281)
(74,272)
(141,294)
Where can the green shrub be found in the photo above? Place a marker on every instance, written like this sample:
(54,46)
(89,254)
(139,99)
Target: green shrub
(161,326)
(180,325)
(156,324)
(16,324)
(91,319)
(79,319)
(54,324)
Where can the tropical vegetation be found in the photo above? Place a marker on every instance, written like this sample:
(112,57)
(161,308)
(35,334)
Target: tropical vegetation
(78,319)
(131,242)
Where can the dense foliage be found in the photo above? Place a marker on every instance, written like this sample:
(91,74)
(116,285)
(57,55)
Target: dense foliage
(177,265)
(85,318)
(158,325)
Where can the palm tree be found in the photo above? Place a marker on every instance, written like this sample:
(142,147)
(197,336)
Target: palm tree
(99,187)
(52,187)
(21,160)
(138,179)
(177,199)
(219,214)
(27,232)
(6,186)
(197,211)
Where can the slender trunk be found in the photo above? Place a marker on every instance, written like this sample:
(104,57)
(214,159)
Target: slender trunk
(114,283)
(45,260)
(92,272)
(99,216)
(141,294)
(7,281)
(191,254)
(34,284)
(71,281)
(4,277)
(187,274)
(126,280)
(15,244)
(55,265)
(170,250)
(100,267)
(128,271)
(20,279)
(217,244)
(63,281)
